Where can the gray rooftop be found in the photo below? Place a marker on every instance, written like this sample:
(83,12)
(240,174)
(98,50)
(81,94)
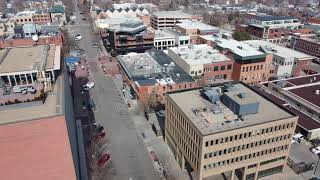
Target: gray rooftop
(171,14)
(240,48)
(215,117)
(152,67)
(278,50)
(192,24)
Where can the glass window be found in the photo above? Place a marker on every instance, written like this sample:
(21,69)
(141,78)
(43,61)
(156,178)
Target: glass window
(216,68)
(230,66)
(222,68)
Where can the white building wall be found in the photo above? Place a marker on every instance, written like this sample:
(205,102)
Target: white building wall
(283,65)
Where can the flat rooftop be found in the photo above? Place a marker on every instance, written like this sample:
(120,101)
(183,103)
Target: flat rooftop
(308,93)
(26,58)
(160,34)
(171,14)
(273,18)
(199,54)
(240,48)
(202,112)
(192,24)
(278,50)
(130,26)
(53,106)
(151,68)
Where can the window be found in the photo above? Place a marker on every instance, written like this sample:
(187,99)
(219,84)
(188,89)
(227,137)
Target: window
(216,68)
(222,68)
(192,72)
(207,143)
(230,66)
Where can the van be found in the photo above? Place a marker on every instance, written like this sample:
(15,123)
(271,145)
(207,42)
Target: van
(88,86)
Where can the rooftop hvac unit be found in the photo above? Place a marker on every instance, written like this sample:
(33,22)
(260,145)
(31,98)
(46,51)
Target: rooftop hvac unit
(317,92)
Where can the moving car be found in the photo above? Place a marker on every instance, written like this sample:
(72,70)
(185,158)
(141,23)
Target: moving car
(316,150)
(77,37)
(95,45)
(103,159)
(297,137)
(88,86)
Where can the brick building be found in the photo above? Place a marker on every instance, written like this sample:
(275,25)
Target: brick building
(165,19)
(250,65)
(195,28)
(41,17)
(152,74)
(202,62)
(308,45)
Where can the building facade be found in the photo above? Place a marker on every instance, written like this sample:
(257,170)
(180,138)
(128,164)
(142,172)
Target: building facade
(165,19)
(128,37)
(202,62)
(308,45)
(41,18)
(213,146)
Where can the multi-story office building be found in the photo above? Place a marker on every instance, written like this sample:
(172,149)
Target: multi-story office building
(228,130)
(24,17)
(287,62)
(202,62)
(165,19)
(127,37)
(251,66)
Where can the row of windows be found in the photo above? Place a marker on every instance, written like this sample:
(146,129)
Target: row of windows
(272,160)
(35,20)
(249,134)
(246,146)
(185,139)
(159,43)
(282,63)
(216,77)
(25,20)
(216,68)
(252,68)
(244,157)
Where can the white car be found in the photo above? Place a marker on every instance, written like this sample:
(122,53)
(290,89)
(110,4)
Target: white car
(88,86)
(77,37)
(316,150)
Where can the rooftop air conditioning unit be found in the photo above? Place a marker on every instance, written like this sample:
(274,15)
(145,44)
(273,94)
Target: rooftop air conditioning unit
(317,92)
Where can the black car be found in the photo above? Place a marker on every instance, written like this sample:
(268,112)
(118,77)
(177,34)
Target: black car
(99,129)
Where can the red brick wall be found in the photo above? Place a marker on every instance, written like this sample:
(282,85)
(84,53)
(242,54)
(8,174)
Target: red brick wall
(41,19)
(306,46)
(301,65)
(209,73)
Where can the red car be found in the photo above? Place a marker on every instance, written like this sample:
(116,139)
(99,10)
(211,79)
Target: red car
(103,159)
(98,136)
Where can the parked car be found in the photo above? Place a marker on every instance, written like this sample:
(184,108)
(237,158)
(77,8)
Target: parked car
(7,90)
(161,113)
(310,71)
(103,159)
(31,89)
(316,150)
(298,137)
(88,86)
(95,45)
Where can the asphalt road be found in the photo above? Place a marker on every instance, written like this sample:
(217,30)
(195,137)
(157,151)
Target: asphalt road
(129,155)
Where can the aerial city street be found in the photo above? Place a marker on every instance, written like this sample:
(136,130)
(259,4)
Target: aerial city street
(160,90)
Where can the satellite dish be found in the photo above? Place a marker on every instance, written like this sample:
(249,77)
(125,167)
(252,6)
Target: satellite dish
(35,38)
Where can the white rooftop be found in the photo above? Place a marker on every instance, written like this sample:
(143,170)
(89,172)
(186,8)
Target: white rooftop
(107,23)
(171,14)
(193,24)
(199,54)
(26,13)
(240,48)
(160,34)
(279,50)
